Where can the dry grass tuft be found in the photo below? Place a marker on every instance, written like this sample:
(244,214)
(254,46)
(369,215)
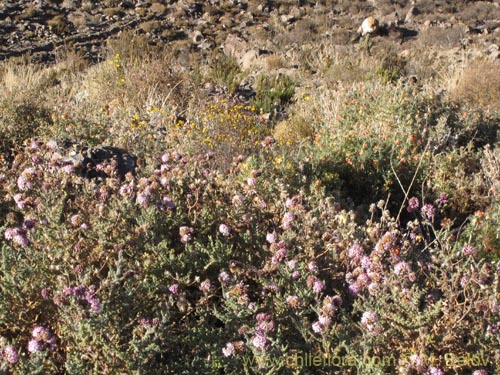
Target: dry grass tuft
(479,84)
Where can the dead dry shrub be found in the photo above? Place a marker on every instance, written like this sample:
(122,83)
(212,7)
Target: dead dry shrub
(294,130)
(479,84)
(480,11)
(445,38)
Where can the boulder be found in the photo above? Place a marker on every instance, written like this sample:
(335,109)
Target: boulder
(97,162)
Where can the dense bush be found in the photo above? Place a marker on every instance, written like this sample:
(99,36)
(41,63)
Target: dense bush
(361,238)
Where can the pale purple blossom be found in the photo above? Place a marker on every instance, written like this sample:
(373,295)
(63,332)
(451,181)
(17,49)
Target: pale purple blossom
(288,219)
(366,262)
(143,198)
(271,238)
(237,200)
(363,279)
(174,289)
(205,286)
(260,341)
(402,268)
(21,240)
(443,198)
(166,204)
(9,233)
(354,289)
(224,278)
(318,286)
(480,372)
(11,354)
(428,211)
(279,256)
(324,320)
(417,362)
(468,249)
(312,266)
(369,320)
(317,327)
(228,350)
(413,204)
(186,234)
(355,251)
(35,346)
(224,230)
(165,158)
(435,371)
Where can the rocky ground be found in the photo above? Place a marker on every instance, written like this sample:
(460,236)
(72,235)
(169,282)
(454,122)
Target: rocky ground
(246,28)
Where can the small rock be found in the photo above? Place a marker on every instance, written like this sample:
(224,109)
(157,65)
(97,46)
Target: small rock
(248,59)
(198,37)
(287,19)
(369,26)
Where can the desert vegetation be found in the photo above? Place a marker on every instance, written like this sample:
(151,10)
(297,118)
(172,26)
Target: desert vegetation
(320,206)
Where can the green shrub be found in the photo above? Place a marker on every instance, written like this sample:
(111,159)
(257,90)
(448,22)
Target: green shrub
(272,92)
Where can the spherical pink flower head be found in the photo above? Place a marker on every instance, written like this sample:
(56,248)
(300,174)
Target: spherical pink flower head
(413,204)
(355,251)
(312,266)
(417,363)
(237,200)
(318,286)
(480,372)
(443,198)
(325,320)
(366,262)
(9,234)
(186,234)
(40,333)
(271,238)
(354,289)
(260,341)
(174,289)
(165,158)
(288,219)
(224,230)
(224,278)
(363,280)
(266,326)
(228,350)
(279,256)
(369,320)
(205,286)
(464,280)
(468,249)
(11,355)
(435,371)
(402,268)
(35,346)
(428,211)
(142,198)
(317,327)
(20,238)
